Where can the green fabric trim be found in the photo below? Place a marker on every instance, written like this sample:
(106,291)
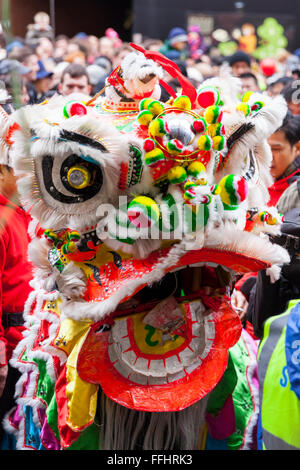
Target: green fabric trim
(223,390)
(52,416)
(242,399)
(88,440)
(45,387)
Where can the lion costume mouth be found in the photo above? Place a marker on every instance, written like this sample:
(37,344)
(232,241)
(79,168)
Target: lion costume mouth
(153,352)
(143,368)
(113,276)
(165,325)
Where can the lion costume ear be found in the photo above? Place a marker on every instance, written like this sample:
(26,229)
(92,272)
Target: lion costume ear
(247,132)
(248,135)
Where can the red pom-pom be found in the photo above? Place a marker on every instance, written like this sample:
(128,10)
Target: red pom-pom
(199,126)
(208,96)
(74,108)
(149,145)
(268,67)
(78,109)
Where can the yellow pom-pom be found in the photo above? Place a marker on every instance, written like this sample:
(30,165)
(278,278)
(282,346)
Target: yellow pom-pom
(244,108)
(246,96)
(213,114)
(72,247)
(157,128)
(144,103)
(219,142)
(201,182)
(196,169)
(216,129)
(143,211)
(154,156)
(182,102)
(145,117)
(205,142)
(155,107)
(177,175)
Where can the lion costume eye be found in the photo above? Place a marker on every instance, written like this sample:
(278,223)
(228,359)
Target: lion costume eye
(80,176)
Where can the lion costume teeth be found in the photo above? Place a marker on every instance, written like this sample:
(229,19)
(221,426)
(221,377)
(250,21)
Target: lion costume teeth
(143,213)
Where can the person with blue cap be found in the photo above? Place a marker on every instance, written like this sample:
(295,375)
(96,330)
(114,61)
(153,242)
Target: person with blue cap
(12,74)
(175,47)
(42,83)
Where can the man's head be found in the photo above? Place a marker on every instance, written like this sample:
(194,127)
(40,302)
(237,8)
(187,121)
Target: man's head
(292,95)
(29,59)
(44,48)
(240,63)
(74,79)
(277,87)
(249,82)
(8,184)
(106,47)
(121,53)
(16,88)
(285,145)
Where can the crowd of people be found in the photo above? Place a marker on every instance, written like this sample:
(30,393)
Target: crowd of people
(40,64)
(34,68)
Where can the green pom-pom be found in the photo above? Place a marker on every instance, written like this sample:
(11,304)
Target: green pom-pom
(143,212)
(144,103)
(257,106)
(154,156)
(189,184)
(233,190)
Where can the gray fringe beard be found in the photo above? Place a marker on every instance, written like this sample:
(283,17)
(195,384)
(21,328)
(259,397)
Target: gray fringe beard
(125,429)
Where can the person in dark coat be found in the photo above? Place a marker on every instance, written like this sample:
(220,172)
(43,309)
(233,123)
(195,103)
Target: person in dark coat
(269,298)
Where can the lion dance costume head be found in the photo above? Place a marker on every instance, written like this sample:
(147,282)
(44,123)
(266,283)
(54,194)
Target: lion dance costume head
(143,212)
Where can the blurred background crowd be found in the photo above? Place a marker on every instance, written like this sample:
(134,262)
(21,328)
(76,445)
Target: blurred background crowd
(41,63)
